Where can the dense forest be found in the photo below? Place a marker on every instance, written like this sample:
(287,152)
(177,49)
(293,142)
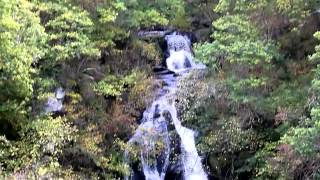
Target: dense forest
(77,75)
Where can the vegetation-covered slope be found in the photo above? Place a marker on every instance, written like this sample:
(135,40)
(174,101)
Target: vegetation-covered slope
(257,108)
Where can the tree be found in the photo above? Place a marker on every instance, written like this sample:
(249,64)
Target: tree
(241,52)
(246,60)
(296,154)
(146,14)
(69,31)
(22,38)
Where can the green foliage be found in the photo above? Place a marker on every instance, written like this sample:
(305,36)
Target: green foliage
(316,55)
(237,40)
(69,29)
(144,13)
(42,136)
(41,38)
(109,86)
(295,9)
(106,28)
(50,134)
(239,6)
(21,37)
(246,63)
(264,169)
(148,18)
(44,85)
(228,146)
(289,95)
(110,14)
(114,86)
(315,84)
(298,146)
(195,97)
(204,53)
(304,139)
(149,50)
(238,46)
(229,139)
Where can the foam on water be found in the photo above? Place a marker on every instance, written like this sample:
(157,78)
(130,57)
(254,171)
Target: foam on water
(153,127)
(191,160)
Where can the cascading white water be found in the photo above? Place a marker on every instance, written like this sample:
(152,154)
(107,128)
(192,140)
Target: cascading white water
(153,127)
(180,58)
(190,158)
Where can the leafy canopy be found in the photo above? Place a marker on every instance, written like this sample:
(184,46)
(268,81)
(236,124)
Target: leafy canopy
(69,29)
(22,38)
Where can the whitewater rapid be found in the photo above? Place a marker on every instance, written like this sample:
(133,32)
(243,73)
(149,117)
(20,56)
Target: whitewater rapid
(154,125)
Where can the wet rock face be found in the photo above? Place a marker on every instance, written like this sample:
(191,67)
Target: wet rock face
(152,34)
(187,63)
(179,48)
(60,93)
(54,104)
(202,34)
(156,112)
(167,151)
(173,174)
(168,43)
(178,42)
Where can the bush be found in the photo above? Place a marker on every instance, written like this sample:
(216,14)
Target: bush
(112,85)
(42,137)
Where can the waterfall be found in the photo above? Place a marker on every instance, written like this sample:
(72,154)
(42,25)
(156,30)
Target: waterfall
(153,129)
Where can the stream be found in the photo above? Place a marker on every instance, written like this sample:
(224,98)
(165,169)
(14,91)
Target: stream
(151,140)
